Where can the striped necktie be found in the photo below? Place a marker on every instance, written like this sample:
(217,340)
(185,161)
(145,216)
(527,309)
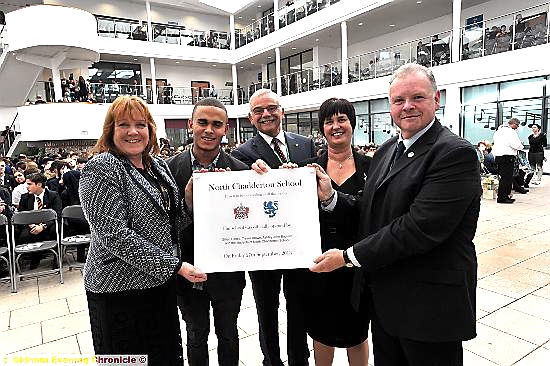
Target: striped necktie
(277,148)
(39,203)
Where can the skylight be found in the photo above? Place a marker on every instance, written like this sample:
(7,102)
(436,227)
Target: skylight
(229,6)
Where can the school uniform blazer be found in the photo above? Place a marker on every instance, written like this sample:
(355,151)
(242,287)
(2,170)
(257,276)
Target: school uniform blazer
(51,200)
(417,223)
(299,148)
(221,284)
(133,244)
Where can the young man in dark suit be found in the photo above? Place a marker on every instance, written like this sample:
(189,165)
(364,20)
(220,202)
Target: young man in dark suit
(418,216)
(37,198)
(7,181)
(222,291)
(275,147)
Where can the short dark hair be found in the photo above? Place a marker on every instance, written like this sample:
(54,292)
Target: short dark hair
(333,106)
(37,178)
(209,102)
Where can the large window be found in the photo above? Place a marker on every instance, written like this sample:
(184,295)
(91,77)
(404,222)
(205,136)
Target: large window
(486,107)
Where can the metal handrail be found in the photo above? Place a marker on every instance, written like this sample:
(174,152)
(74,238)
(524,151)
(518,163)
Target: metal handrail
(9,139)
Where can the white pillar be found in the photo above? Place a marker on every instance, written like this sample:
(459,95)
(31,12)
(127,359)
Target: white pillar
(278,70)
(149,25)
(234,78)
(452,108)
(153,80)
(232,30)
(238,132)
(344,28)
(455,49)
(276,14)
(56,78)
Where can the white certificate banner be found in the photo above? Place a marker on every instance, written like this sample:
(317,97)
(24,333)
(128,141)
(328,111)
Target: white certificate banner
(245,221)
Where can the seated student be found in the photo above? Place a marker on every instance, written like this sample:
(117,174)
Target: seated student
(37,198)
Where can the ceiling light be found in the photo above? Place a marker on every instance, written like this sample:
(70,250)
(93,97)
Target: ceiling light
(419,2)
(252,19)
(316,39)
(259,5)
(293,48)
(242,67)
(214,65)
(177,62)
(268,56)
(392,25)
(135,59)
(240,16)
(360,23)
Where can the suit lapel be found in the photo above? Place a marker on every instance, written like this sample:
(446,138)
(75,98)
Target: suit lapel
(385,161)
(265,151)
(418,149)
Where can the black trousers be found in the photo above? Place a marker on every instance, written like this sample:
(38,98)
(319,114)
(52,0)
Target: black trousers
(266,286)
(396,351)
(505,165)
(194,305)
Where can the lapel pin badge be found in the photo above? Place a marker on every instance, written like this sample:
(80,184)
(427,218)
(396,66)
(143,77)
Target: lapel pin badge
(297,145)
(411,154)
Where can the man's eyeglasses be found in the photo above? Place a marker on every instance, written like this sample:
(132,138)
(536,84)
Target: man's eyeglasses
(258,111)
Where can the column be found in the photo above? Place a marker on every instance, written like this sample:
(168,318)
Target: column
(278,70)
(235,91)
(238,130)
(455,49)
(153,81)
(232,31)
(345,72)
(149,25)
(452,108)
(276,14)
(56,78)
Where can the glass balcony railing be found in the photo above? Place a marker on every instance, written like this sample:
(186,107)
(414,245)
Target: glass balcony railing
(300,9)
(3,38)
(163,33)
(260,28)
(190,95)
(305,80)
(429,51)
(520,29)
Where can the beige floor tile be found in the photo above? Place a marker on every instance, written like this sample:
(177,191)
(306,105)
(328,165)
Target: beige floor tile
(498,347)
(518,251)
(487,242)
(490,301)
(539,263)
(65,326)
(475,360)
(69,277)
(248,321)
(27,295)
(533,305)
(38,313)
(62,291)
(250,354)
(525,275)
(538,357)
(506,286)
(480,314)
(68,345)
(521,325)
(543,292)
(77,303)
(4,321)
(489,258)
(85,343)
(484,270)
(14,340)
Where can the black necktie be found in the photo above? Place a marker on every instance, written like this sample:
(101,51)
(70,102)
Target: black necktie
(399,150)
(277,148)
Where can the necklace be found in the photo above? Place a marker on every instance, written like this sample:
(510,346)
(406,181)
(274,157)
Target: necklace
(341,162)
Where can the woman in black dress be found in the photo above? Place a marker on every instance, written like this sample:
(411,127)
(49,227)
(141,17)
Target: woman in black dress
(537,143)
(337,302)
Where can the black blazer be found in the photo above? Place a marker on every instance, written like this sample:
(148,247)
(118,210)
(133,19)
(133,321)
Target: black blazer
(299,147)
(51,200)
(9,182)
(219,285)
(416,228)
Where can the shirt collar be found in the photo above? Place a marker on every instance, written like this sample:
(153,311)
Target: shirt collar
(41,196)
(195,164)
(269,139)
(410,141)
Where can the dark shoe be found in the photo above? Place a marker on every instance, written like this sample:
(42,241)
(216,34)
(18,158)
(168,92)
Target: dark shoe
(521,190)
(507,200)
(526,185)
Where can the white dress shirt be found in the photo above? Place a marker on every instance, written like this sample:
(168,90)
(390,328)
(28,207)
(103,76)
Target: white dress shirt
(506,141)
(282,140)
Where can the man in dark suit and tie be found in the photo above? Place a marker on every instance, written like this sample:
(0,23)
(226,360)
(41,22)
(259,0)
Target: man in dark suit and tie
(37,198)
(275,147)
(418,216)
(7,181)
(222,291)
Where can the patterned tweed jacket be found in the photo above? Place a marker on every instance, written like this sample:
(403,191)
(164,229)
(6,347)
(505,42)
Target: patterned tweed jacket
(132,243)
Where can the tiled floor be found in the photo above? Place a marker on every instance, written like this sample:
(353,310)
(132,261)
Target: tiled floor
(513,302)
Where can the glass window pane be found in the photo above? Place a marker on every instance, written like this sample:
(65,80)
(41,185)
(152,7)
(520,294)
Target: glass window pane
(362,130)
(527,111)
(379,105)
(480,94)
(520,89)
(479,122)
(292,123)
(305,124)
(382,127)
(361,108)
(314,123)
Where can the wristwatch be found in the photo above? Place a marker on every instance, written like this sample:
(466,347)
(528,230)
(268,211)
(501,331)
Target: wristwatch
(347,261)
